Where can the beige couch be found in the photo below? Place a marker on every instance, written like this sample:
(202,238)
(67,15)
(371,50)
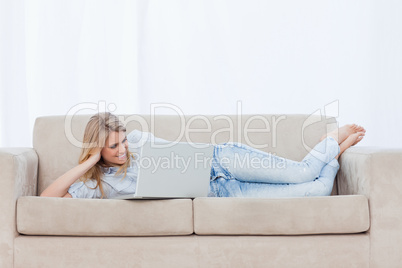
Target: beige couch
(360,225)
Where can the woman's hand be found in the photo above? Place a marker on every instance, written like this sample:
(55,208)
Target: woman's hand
(95,156)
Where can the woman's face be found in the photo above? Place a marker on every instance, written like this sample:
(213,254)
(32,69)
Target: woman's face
(115,150)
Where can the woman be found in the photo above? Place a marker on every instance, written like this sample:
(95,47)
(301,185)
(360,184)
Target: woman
(107,168)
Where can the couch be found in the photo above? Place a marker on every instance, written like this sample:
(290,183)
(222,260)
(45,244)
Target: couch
(359,225)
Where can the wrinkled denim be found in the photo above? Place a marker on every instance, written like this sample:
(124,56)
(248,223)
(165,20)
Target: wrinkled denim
(242,171)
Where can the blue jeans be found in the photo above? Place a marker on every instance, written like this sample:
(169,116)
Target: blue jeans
(242,171)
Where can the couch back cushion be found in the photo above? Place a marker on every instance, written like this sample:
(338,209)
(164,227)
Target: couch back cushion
(57,138)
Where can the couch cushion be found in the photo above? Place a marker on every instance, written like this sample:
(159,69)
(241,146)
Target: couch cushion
(103,217)
(281,216)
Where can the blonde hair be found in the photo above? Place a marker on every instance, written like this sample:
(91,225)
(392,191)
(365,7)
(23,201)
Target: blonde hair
(96,133)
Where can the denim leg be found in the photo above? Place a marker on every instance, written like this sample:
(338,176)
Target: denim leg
(221,187)
(244,163)
(322,186)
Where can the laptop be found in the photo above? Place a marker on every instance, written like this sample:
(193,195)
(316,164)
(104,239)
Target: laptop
(181,170)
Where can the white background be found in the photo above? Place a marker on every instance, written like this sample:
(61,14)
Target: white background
(204,57)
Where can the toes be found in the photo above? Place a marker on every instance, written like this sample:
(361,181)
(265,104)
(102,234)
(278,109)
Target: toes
(357,128)
(359,134)
(354,128)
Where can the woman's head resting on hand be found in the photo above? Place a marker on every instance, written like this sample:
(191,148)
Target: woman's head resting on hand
(105,133)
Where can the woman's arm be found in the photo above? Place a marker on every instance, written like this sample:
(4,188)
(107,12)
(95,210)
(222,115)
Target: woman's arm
(61,185)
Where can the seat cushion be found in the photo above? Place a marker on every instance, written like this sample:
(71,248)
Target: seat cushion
(103,217)
(281,216)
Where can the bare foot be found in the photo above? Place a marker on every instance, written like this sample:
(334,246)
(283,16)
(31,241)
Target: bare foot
(350,141)
(341,134)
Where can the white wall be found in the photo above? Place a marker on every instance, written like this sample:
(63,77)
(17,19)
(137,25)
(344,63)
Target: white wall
(386,74)
(204,56)
(278,57)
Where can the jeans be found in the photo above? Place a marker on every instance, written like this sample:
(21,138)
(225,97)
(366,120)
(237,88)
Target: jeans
(242,171)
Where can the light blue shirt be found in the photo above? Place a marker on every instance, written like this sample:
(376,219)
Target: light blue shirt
(116,185)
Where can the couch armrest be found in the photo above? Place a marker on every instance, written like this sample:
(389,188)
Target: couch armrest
(376,173)
(18,177)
